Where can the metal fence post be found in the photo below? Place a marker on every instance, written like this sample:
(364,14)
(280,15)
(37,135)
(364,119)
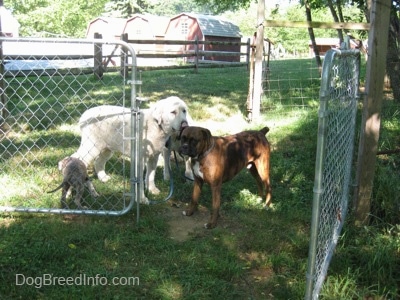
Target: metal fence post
(318,183)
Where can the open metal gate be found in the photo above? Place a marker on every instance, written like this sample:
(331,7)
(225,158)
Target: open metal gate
(339,97)
(45,86)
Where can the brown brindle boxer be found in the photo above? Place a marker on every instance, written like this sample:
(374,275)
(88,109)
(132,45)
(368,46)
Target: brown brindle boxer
(216,160)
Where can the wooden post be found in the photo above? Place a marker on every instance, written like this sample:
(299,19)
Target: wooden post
(248,54)
(251,80)
(371,115)
(124,57)
(258,66)
(98,58)
(196,50)
(266,67)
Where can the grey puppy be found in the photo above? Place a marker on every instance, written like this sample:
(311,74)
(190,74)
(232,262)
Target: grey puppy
(74,177)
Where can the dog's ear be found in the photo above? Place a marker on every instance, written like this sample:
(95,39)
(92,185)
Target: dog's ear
(157,115)
(178,138)
(207,138)
(206,134)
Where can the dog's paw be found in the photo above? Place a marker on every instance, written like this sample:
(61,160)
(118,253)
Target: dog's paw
(187,213)
(144,200)
(103,177)
(209,226)
(154,190)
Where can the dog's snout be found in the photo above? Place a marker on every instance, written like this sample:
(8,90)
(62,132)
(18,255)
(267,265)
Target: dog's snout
(184,149)
(184,124)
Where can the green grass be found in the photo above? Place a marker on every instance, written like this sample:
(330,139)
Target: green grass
(254,253)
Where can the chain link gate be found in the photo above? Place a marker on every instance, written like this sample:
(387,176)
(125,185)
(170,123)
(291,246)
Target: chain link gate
(45,86)
(339,96)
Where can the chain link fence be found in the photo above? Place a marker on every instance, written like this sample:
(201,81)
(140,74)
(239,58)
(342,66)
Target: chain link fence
(45,86)
(337,114)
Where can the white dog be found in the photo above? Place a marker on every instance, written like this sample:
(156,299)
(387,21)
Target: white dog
(104,129)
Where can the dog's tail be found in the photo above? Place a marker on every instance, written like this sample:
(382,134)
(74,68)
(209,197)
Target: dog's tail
(57,188)
(264,130)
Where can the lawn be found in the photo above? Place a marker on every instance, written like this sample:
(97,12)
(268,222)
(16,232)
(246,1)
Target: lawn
(254,253)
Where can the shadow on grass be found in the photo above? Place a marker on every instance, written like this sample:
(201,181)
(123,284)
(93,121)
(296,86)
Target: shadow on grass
(253,253)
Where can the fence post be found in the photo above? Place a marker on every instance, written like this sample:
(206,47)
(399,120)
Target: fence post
(258,64)
(248,54)
(196,51)
(371,115)
(124,57)
(251,79)
(98,57)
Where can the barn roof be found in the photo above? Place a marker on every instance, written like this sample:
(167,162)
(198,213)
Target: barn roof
(115,25)
(157,23)
(215,26)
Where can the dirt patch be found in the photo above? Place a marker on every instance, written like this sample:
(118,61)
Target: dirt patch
(182,227)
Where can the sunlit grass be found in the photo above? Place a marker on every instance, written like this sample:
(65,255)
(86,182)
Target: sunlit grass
(254,253)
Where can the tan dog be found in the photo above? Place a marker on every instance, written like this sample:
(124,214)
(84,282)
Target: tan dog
(216,160)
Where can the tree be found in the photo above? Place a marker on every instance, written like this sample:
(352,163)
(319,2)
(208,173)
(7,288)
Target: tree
(393,55)
(174,7)
(219,6)
(312,36)
(126,8)
(337,16)
(60,17)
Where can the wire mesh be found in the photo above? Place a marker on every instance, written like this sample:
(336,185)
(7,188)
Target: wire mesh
(337,113)
(45,86)
(285,85)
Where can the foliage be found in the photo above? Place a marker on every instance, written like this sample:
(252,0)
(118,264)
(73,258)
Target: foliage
(125,8)
(174,7)
(219,6)
(58,17)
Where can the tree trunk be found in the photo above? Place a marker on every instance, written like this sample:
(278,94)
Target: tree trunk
(312,37)
(336,19)
(393,55)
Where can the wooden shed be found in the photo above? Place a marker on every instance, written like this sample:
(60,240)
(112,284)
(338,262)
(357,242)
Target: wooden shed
(146,27)
(325,44)
(187,26)
(109,28)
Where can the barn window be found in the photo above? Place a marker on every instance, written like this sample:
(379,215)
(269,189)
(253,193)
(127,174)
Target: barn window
(184,28)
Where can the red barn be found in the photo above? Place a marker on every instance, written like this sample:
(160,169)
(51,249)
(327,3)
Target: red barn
(188,26)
